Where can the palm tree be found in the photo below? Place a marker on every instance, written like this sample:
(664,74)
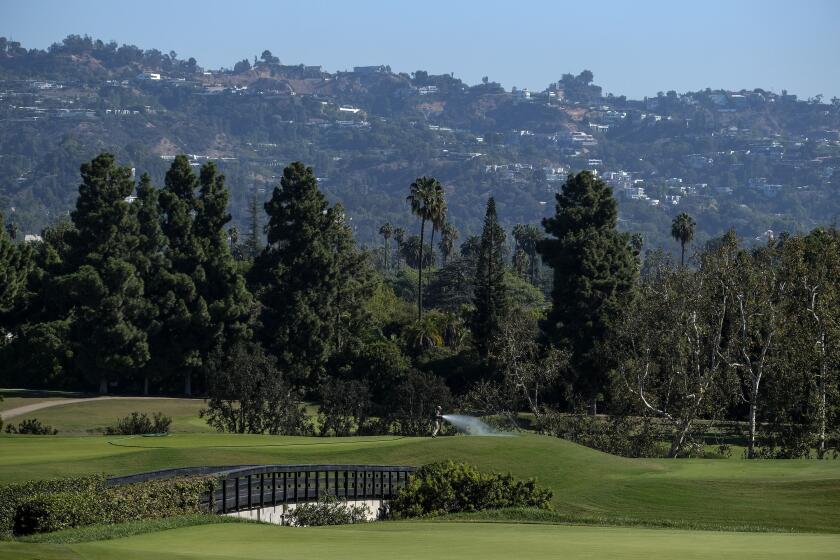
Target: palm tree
(448,237)
(385,230)
(399,237)
(438,212)
(682,229)
(422,198)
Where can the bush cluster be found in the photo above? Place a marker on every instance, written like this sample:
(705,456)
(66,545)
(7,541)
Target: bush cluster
(450,487)
(620,435)
(32,427)
(328,510)
(12,496)
(140,423)
(81,502)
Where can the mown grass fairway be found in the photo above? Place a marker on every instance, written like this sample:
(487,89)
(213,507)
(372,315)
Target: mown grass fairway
(725,494)
(81,418)
(422,540)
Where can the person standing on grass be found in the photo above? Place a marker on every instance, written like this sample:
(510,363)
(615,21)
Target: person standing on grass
(438,419)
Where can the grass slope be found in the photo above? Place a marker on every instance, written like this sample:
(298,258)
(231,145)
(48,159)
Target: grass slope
(409,541)
(85,418)
(588,485)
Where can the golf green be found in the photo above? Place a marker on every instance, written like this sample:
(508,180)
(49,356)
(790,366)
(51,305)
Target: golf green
(421,540)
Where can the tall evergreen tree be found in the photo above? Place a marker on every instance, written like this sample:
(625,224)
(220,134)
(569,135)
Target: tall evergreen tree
(103,289)
(15,264)
(221,285)
(489,296)
(297,275)
(152,265)
(186,317)
(594,270)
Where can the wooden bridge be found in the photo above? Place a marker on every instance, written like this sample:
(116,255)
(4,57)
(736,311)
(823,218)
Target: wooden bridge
(269,492)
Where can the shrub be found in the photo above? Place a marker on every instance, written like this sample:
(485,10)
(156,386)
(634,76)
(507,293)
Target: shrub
(345,406)
(449,487)
(33,427)
(328,510)
(13,495)
(56,511)
(620,435)
(413,403)
(67,506)
(140,423)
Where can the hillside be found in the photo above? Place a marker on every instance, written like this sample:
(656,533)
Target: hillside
(754,160)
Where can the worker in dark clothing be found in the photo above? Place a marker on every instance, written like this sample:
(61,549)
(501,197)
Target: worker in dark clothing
(438,419)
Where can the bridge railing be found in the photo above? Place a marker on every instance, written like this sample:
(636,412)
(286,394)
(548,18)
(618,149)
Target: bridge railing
(271,485)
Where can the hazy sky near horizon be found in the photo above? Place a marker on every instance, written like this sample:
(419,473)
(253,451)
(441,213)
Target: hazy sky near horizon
(634,47)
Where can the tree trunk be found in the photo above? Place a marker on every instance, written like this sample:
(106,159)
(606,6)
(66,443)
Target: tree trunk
(822,402)
(678,440)
(753,407)
(103,386)
(420,275)
(682,254)
(187,384)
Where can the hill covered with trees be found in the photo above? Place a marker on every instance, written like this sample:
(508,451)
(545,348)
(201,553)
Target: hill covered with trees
(753,160)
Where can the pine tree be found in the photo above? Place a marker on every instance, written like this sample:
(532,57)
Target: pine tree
(186,317)
(221,285)
(489,296)
(297,275)
(152,265)
(594,270)
(103,289)
(15,264)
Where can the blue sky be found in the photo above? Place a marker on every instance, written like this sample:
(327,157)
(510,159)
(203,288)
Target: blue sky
(634,47)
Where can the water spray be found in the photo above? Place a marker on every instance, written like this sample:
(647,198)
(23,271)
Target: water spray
(472,426)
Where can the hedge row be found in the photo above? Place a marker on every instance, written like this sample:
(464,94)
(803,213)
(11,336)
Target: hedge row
(67,504)
(449,487)
(13,495)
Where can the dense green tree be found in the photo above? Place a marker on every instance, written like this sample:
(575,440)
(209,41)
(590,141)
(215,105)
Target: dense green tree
(489,292)
(15,264)
(152,265)
(102,288)
(185,316)
(672,342)
(811,270)
(220,284)
(297,276)
(594,271)
(682,229)
(248,394)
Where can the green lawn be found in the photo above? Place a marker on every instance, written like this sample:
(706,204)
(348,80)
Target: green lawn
(421,540)
(92,417)
(693,493)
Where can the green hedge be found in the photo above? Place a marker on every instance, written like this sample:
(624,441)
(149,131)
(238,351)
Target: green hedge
(449,487)
(13,495)
(67,508)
